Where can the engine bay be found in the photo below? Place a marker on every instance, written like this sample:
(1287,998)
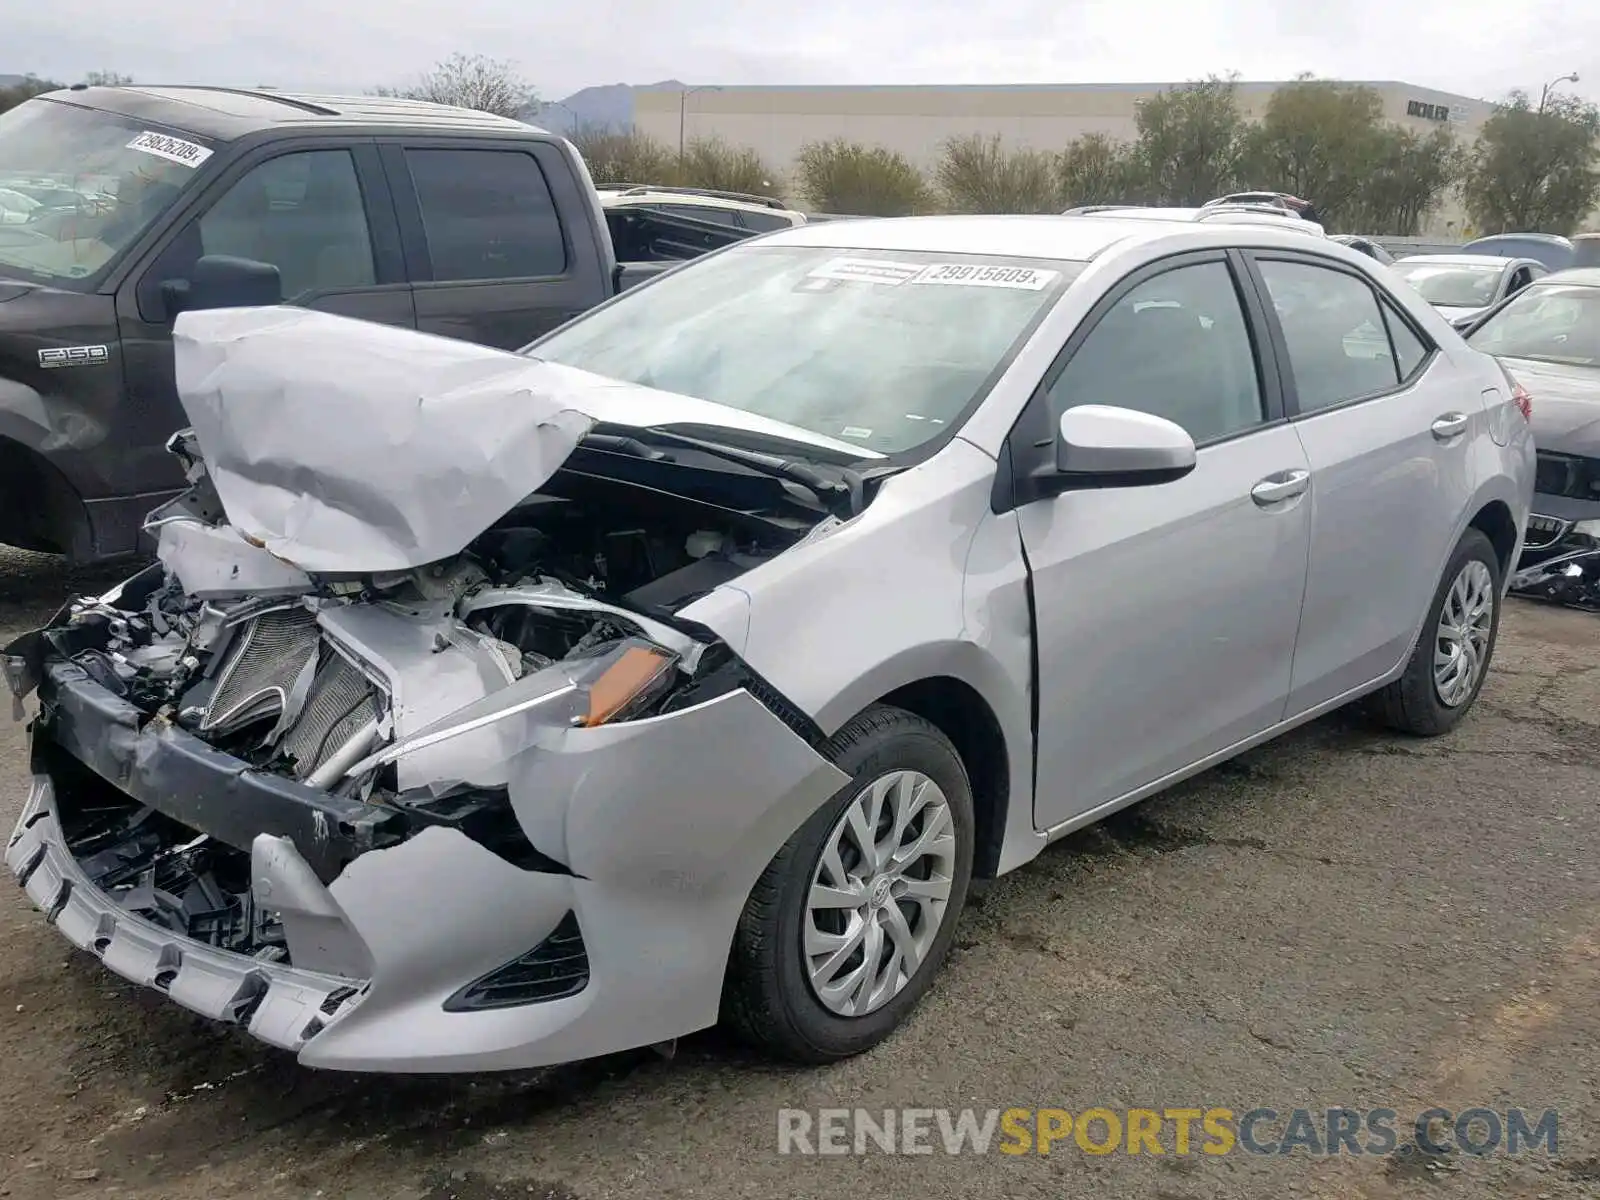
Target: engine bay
(308,684)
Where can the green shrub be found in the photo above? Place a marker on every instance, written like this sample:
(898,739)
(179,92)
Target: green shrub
(978,174)
(1095,169)
(840,176)
(713,163)
(626,157)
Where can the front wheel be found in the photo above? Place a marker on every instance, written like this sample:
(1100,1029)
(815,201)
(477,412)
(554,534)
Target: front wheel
(846,928)
(1451,659)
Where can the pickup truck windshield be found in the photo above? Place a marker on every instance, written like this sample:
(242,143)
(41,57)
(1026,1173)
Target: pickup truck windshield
(78,187)
(886,349)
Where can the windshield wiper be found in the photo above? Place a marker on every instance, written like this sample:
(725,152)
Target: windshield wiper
(847,486)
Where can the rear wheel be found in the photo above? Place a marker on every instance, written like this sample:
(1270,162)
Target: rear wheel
(1451,659)
(846,928)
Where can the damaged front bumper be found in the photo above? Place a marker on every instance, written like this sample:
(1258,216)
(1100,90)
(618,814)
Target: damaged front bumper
(423,950)
(1560,562)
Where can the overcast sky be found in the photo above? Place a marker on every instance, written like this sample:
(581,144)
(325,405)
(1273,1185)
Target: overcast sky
(1469,46)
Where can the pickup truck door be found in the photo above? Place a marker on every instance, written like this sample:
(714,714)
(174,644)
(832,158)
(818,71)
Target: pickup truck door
(499,237)
(317,209)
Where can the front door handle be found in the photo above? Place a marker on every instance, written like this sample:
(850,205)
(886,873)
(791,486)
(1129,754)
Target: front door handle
(1285,485)
(1452,424)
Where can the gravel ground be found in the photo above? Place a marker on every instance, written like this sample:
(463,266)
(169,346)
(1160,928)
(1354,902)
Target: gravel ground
(1343,918)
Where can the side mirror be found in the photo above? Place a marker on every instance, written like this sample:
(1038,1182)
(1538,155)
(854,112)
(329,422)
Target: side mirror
(222,281)
(1099,445)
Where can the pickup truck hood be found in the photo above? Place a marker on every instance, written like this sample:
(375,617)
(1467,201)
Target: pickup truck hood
(1566,405)
(343,446)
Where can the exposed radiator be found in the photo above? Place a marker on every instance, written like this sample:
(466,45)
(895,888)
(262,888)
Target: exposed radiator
(342,700)
(262,665)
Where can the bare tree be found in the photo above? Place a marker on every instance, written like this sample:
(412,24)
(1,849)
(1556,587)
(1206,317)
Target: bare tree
(107,79)
(472,81)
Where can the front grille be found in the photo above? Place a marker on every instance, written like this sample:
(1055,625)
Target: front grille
(261,668)
(554,969)
(340,702)
(1567,475)
(1544,531)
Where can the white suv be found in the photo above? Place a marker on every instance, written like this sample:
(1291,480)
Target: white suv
(759,214)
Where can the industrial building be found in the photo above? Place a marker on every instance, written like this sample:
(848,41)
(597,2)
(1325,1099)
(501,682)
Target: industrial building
(917,120)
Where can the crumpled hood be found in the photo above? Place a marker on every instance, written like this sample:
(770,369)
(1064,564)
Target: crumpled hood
(1451,312)
(1566,405)
(346,446)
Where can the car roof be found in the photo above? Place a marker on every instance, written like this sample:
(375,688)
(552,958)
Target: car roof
(1463,260)
(1580,276)
(1553,239)
(224,114)
(635,196)
(1070,238)
(1243,214)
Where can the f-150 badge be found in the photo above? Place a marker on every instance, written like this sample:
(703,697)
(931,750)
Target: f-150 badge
(74,356)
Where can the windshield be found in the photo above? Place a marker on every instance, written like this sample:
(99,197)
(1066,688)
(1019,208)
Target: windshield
(885,349)
(78,187)
(1551,322)
(1452,285)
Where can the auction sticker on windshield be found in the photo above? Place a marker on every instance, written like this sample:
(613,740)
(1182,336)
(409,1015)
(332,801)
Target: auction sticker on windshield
(866,270)
(173,149)
(1028,279)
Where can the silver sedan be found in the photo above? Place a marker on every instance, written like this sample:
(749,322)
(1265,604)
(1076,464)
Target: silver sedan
(489,710)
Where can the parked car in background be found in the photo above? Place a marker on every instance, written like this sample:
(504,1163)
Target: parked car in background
(1549,250)
(1231,214)
(16,208)
(1293,205)
(166,198)
(1363,245)
(578,701)
(1464,286)
(1548,338)
(759,214)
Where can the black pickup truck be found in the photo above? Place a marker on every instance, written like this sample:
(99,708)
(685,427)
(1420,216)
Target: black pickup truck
(122,206)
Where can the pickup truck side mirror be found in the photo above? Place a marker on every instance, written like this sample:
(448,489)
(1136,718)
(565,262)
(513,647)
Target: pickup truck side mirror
(222,281)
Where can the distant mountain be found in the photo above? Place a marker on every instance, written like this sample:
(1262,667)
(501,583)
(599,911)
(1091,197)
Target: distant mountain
(608,106)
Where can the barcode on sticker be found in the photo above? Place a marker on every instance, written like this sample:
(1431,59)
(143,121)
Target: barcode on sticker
(173,149)
(1028,279)
(865,270)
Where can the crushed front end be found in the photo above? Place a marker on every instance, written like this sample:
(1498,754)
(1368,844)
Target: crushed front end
(1560,562)
(495,812)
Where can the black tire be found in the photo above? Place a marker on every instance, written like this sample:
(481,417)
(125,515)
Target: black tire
(1411,704)
(767,998)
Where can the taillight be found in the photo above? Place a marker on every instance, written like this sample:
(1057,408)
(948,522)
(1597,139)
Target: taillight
(1523,401)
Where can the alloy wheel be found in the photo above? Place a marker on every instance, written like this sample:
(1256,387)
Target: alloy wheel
(1461,644)
(880,893)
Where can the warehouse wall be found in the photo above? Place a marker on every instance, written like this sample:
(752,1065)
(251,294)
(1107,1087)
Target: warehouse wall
(917,121)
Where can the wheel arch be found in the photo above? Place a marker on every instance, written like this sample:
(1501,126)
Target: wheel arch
(959,711)
(39,507)
(1494,521)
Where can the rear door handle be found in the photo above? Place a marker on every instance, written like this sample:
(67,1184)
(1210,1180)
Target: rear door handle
(1452,424)
(1285,485)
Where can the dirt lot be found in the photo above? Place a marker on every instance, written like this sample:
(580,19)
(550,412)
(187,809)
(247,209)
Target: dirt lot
(1342,918)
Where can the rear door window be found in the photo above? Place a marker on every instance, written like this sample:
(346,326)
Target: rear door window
(1337,338)
(487,215)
